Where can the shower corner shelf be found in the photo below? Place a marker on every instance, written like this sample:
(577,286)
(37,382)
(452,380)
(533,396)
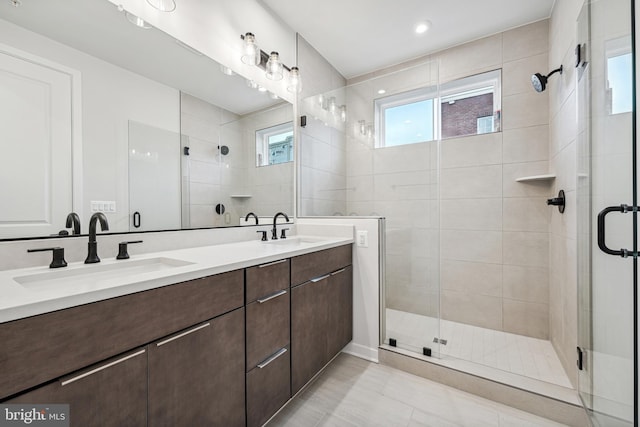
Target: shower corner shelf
(241,196)
(547,177)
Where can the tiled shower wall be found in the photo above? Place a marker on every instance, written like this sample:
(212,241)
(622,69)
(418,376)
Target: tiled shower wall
(493,230)
(211,178)
(562,156)
(202,174)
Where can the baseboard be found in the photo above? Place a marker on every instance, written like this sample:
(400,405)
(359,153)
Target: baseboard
(361,351)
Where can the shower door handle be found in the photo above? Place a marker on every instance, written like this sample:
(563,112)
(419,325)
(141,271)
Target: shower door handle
(624,253)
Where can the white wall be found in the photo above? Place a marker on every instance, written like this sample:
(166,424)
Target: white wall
(111,96)
(366,283)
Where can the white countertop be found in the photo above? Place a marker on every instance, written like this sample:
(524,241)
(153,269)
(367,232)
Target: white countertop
(19,301)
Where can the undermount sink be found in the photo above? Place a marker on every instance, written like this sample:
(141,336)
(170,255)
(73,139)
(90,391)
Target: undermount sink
(93,277)
(295,241)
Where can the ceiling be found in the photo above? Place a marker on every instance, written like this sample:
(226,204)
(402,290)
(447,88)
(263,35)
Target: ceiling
(360,36)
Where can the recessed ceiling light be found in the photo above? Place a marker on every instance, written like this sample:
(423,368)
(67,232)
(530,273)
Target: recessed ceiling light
(422,27)
(382,91)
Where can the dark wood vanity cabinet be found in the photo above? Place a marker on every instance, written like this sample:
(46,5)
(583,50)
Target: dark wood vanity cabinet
(224,350)
(111,393)
(321,311)
(196,376)
(268,337)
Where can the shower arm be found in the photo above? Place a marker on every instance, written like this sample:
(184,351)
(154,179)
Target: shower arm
(557,70)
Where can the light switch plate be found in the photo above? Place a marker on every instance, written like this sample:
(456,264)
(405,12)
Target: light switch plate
(362,239)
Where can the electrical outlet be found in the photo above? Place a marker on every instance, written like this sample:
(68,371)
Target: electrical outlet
(362,239)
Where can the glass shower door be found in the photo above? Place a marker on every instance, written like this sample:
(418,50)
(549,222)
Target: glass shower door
(606,194)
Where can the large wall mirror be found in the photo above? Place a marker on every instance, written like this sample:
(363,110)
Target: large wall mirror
(99,114)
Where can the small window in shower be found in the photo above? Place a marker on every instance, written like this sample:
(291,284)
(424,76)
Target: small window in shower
(406,118)
(274,145)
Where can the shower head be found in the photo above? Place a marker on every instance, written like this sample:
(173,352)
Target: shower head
(539,81)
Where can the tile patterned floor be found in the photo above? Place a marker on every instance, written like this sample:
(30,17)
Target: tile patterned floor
(530,357)
(355,392)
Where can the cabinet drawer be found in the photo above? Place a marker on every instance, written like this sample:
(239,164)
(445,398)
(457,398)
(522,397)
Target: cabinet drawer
(268,388)
(40,348)
(267,327)
(315,264)
(266,279)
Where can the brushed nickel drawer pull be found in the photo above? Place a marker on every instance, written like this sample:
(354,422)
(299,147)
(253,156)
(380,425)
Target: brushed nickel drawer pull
(272,263)
(272,296)
(103,367)
(272,358)
(182,334)
(339,271)
(317,279)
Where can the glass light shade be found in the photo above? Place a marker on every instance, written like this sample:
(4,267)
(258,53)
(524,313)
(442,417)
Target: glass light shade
(332,105)
(274,67)
(250,50)
(295,81)
(163,5)
(252,84)
(343,113)
(139,22)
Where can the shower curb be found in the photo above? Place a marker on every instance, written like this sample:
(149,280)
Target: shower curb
(534,403)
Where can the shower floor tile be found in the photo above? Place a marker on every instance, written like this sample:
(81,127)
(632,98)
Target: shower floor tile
(526,356)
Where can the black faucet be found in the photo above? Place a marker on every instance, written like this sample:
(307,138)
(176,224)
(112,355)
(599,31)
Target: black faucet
(246,218)
(92,256)
(73,220)
(274,232)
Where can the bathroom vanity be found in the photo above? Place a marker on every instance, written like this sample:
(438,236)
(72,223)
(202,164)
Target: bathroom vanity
(227,348)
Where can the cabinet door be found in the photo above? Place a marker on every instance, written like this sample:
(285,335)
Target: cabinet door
(308,330)
(340,311)
(112,393)
(197,377)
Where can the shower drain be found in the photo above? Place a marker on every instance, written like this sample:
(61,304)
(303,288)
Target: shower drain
(439,341)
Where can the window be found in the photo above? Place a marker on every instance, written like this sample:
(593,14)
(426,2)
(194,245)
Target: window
(274,145)
(619,75)
(471,105)
(467,106)
(484,125)
(406,118)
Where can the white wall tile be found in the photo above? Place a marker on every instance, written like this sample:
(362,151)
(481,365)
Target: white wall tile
(471,182)
(475,150)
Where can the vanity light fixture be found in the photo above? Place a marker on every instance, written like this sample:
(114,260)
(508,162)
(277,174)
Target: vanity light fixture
(343,113)
(250,50)
(252,84)
(274,67)
(295,81)
(163,5)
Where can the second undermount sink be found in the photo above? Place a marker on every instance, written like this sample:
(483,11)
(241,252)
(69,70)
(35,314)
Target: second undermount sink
(93,277)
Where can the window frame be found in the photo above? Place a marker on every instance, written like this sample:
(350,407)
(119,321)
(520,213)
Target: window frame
(262,142)
(462,88)
(400,99)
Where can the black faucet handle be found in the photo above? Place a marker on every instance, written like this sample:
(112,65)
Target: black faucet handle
(283,233)
(58,256)
(264,235)
(122,249)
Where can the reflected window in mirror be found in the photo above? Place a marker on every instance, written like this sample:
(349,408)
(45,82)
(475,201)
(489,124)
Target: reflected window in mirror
(619,76)
(274,145)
